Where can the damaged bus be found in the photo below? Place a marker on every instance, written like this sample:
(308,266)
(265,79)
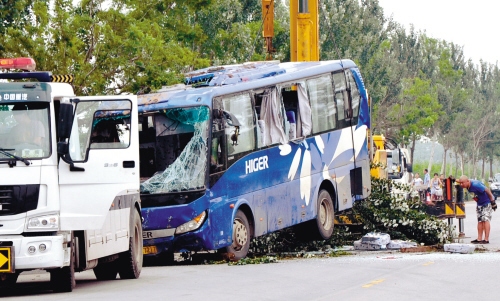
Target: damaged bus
(240,151)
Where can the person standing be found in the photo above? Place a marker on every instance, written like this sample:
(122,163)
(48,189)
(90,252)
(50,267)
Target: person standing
(418,185)
(436,191)
(485,205)
(427,179)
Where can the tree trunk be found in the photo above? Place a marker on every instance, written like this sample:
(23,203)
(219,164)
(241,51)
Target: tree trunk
(443,166)
(461,163)
(491,167)
(473,164)
(451,168)
(482,170)
(412,149)
(429,168)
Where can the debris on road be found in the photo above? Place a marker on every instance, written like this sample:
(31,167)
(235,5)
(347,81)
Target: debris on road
(398,244)
(460,248)
(381,241)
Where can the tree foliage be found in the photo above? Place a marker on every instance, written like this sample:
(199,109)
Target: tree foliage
(419,86)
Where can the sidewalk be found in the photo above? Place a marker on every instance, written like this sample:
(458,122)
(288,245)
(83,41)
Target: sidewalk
(470,228)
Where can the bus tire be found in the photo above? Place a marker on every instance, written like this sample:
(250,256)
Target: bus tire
(63,279)
(130,262)
(326,215)
(166,258)
(241,237)
(106,271)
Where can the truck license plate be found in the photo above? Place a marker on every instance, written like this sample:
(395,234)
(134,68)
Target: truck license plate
(149,250)
(7,260)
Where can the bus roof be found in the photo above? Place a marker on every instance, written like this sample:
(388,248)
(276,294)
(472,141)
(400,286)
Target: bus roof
(204,84)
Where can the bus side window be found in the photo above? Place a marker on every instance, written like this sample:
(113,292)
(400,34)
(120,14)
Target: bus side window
(240,139)
(270,118)
(355,95)
(341,98)
(297,109)
(290,102)
(322,103)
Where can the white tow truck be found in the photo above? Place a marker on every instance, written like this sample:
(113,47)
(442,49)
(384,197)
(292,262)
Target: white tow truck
(69,180)
(400,170)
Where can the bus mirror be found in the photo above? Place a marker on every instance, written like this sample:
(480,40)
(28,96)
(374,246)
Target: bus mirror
(395,156)
(65,120)
(217,114)
(231,119)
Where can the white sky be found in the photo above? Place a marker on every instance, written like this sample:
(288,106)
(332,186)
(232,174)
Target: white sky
(473,24)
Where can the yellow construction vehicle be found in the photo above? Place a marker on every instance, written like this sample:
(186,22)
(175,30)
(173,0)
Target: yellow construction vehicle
(379,157)
(304,29)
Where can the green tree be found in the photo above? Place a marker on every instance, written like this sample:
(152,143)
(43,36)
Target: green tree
(123,47)
(416,113)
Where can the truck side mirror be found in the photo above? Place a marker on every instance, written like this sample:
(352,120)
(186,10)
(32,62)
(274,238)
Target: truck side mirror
(65,121)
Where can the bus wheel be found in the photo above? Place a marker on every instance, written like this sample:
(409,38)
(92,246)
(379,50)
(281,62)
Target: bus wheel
(241,237)
(130,262)
(63,279)
(326,215)
(166,258)
(106,271)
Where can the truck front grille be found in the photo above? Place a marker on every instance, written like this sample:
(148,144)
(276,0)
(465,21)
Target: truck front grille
(15,199)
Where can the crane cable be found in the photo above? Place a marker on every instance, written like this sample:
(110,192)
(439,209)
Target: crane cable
(256,37)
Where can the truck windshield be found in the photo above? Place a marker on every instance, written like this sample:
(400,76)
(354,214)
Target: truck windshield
(24,129)
(174,150)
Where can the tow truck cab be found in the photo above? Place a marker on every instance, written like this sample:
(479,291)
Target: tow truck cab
(68,202)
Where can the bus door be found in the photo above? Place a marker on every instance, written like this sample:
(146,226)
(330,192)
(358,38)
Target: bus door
(103,176)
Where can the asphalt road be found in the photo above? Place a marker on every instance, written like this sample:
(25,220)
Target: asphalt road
(368,275)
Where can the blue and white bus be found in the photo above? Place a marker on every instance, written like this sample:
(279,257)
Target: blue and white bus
(243,150)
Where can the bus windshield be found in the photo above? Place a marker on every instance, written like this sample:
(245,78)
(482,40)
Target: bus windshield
(24,129)
(180,134)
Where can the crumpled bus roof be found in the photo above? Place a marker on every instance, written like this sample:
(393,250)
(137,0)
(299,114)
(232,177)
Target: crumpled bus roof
(202,85)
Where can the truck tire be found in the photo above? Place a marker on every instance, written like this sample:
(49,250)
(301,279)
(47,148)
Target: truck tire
(63,280)
(8,280)
(130,262)
(106,271)
(241,237)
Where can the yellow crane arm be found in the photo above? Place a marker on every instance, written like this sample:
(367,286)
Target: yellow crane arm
(268,27)
(304,29)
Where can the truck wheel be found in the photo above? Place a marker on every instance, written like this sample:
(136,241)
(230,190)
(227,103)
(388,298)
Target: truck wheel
(326,215)
(63,279)
(106,271)
(241,237)
(8,280)
(130,262)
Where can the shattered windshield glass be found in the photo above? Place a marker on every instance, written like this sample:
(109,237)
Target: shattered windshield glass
(24,129)
(188,169)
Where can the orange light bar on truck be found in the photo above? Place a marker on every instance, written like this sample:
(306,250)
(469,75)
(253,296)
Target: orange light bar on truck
(23,63)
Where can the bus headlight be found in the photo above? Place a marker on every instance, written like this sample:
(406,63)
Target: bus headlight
(46,222)
(192,224)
